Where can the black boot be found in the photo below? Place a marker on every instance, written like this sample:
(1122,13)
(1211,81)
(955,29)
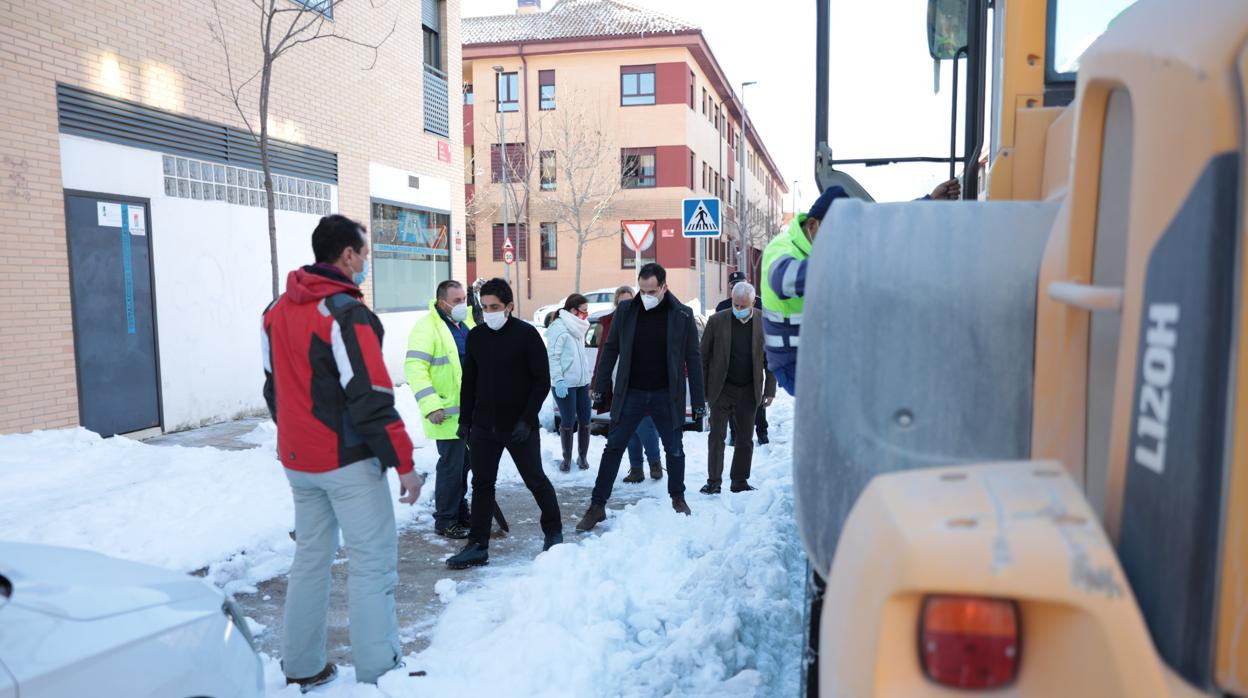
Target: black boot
(565,436)
(680,507)
(634,476)
(552,541)
(582,445)
(656,470)
(473,555)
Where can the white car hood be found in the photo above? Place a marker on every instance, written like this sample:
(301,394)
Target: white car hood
(81,585)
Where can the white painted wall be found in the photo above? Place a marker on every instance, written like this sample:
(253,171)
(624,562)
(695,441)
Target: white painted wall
(212,279)
(391,184)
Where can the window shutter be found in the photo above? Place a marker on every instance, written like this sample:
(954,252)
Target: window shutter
(431,15)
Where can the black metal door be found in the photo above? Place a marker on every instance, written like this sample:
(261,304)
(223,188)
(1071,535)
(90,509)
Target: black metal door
(114,323)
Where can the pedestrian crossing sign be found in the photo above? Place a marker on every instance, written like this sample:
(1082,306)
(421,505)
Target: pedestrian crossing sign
(701,218)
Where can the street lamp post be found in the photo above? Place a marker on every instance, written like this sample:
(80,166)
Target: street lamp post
(502,149)
(743,206)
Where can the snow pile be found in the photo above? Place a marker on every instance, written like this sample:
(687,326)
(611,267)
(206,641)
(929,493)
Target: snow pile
(170,506)
(659,604)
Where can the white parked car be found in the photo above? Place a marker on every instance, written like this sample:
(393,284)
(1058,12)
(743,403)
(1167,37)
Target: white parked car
(600,300)
(77,623)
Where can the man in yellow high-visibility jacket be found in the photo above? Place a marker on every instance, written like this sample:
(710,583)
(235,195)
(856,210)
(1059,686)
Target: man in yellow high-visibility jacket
(434,372)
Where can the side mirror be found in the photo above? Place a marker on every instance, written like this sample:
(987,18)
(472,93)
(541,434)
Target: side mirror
(946,28)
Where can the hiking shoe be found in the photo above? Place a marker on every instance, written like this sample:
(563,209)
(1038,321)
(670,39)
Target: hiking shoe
(552,541)
(594,515)
(328,674)
(634,476)
(679,505)
(473,555)
(656,470)
(743,487)
(708,488)
(455,531)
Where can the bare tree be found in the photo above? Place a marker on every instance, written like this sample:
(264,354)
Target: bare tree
(588,174)
(284,25)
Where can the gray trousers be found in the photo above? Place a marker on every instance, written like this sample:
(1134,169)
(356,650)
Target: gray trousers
(355,497)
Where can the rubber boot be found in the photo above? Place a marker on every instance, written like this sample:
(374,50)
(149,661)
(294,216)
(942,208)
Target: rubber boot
(582,445)
(565,436)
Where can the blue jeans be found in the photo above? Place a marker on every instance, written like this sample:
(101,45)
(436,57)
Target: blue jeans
(357,498)
(574,409)
(637,406)
(646,438)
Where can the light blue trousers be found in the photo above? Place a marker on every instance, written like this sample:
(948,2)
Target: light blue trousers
(356,498)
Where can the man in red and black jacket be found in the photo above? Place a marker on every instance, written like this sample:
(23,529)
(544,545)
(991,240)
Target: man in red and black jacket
(327,389)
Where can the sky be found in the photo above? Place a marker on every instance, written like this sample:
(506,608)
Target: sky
(881,92)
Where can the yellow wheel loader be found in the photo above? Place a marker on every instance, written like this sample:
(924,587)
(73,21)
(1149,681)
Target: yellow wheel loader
(1021,454)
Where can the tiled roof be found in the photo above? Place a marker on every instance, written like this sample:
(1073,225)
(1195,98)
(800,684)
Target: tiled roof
(571,19)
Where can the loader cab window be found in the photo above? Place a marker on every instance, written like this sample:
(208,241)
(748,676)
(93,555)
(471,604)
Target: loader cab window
(1073,26)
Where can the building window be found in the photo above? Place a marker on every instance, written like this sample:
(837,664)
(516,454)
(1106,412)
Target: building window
(411,255)
(550,246)
(549,172)
(636,85)
(628,258)
(470,242)
(546,89)
(467,94)
(519,241)
(433,49)
(692,90)
(704,101)
(637,165)
(325,7)
(517,165)
(508,96)
(693,165)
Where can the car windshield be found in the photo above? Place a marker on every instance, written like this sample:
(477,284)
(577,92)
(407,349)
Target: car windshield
(1073,26)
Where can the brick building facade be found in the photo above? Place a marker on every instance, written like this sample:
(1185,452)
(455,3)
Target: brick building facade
(113,104)
(651,84)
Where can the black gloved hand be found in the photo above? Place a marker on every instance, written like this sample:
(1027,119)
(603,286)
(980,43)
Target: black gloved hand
(521,432)
(462,431)
(699,413)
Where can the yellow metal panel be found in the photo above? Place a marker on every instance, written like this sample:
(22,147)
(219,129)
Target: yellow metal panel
(1016,530)
(1232,652)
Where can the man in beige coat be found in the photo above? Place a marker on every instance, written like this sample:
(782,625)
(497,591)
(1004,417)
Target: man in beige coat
(734,366)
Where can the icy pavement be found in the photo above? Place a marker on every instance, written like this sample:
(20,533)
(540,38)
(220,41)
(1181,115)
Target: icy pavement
(655,604)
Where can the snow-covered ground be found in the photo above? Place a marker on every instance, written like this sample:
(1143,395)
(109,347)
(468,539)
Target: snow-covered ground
(657,605)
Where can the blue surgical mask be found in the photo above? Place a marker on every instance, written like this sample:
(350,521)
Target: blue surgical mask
(741,313)
(359,276)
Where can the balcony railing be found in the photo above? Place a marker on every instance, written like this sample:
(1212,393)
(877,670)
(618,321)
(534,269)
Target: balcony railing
(437,106)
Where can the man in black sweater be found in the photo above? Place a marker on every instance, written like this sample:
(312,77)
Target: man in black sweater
(655,341)
(760,417)
(506,378)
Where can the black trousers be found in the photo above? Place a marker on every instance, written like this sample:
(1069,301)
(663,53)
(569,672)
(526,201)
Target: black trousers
(734,402)
(487,450)
(760,424)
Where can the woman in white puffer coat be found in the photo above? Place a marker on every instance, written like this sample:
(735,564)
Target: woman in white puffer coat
(570,373)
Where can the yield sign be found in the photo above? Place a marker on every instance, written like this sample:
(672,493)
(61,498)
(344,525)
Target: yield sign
(638,235)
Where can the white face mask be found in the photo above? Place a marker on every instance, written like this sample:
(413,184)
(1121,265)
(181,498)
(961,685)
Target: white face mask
(459,313)
(650,302)
(495,321)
